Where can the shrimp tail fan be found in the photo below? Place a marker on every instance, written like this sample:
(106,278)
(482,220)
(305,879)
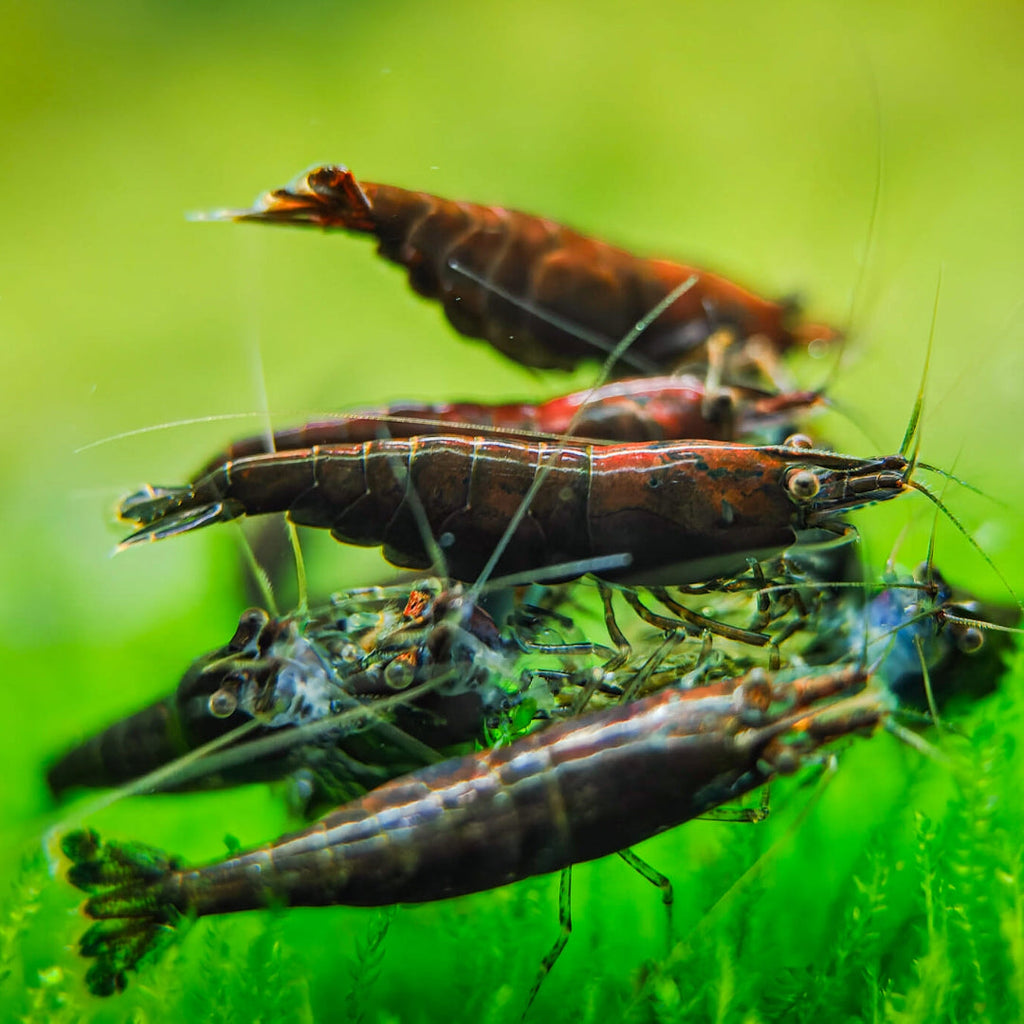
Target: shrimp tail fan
(134,919)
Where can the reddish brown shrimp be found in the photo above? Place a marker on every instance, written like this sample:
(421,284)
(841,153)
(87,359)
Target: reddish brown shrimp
(576,791)
(637,409)
(541,293)
(681,511)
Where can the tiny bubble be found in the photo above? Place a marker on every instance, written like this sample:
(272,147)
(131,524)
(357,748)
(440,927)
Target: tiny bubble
(447,539)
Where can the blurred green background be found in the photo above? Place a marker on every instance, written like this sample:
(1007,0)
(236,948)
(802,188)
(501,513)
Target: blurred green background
(742,136)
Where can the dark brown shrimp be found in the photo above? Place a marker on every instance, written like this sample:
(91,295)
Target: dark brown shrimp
(543,294)
(576,791)
(639,409)
(367,649)
(682,511)
(923,635)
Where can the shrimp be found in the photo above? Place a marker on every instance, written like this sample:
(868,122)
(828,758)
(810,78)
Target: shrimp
(543,294)
(464,678)
(576,791)
(681,511)
(432,670)
(917,626)
(641,409)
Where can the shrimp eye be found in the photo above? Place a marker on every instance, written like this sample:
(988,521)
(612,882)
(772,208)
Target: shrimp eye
(223,704)
(250,626)
(803,484)
(798,441)
(971,640)
(399,674)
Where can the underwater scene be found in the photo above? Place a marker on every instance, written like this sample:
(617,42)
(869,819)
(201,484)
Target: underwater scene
(674,517)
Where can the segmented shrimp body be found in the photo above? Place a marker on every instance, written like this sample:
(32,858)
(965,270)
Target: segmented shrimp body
(541,293)
(680,510)
(428,671)
(576,791)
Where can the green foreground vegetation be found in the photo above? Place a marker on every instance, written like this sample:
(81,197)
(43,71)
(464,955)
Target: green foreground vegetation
(742,137)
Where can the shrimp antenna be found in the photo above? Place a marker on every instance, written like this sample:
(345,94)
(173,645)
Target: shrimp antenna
(597,341)
(866,644)
(263,584)
(926,681)
(402,474)
(946,474)
(915,742)
(406,420)
(930,557)
(156,427)
(628,340)
(904,735)
(930,587)
(262,579)
(866,586)
(918,486)
(259,384)
(966,484)
(150,782)
(995,627)
(560,572)
(350,719)
(358,414)
(860,278)
(300,566)
(857,291)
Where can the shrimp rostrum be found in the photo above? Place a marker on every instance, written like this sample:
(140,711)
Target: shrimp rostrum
(578,790)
